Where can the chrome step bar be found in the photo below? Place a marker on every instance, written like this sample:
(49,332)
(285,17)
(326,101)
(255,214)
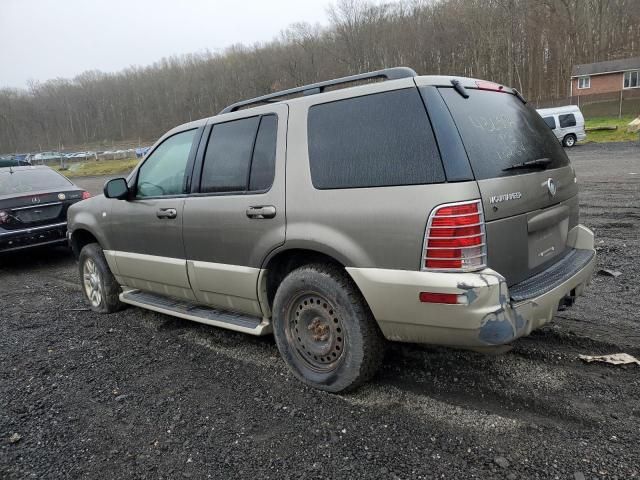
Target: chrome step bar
(238,322)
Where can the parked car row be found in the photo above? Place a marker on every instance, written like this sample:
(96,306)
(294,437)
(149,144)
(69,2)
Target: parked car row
(53,156)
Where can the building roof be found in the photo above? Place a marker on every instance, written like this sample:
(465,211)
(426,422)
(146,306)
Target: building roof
(609,66)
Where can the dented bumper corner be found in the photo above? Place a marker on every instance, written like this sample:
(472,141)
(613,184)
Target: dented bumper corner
(487,317)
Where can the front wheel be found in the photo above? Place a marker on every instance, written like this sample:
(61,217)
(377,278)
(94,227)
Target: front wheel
(569,140)
(100,288)
(324,329)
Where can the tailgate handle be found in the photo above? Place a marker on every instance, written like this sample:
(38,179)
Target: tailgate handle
(547,218)
(266,211)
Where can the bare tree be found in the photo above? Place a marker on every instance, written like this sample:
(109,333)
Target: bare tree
(529,44)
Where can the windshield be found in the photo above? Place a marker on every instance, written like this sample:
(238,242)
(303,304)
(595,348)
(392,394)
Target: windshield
(500,132)
(26,181)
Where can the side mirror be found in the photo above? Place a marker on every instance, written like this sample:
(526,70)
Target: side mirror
(116,188)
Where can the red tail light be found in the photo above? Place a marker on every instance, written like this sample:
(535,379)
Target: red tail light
(455,239)
(85,195)
(484,85)
(448,298)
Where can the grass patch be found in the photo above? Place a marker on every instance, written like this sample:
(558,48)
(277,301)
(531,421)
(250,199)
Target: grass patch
(619,135)
(98,167)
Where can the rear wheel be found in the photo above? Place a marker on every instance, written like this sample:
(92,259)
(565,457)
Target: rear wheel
(100,288)
(324,330)
(569,140)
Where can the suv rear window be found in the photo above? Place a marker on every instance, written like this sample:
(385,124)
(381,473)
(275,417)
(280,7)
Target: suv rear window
(375,140)
(499,131)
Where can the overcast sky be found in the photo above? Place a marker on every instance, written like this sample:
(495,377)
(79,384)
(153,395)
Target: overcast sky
(43,39)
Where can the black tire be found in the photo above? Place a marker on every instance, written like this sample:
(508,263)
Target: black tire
(103,283)
(324,329)
(569,140)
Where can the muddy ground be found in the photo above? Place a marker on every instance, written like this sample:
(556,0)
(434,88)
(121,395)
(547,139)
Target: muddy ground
(142,395)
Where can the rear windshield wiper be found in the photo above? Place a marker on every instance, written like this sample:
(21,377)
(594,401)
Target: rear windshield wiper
(539,163)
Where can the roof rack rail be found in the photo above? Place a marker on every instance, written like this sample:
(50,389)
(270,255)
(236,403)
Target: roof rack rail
(314,88)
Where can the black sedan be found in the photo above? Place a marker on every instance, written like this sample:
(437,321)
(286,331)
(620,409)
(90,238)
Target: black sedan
(33,206)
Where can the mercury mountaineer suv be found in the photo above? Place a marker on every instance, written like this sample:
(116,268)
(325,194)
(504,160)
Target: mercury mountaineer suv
(430,209)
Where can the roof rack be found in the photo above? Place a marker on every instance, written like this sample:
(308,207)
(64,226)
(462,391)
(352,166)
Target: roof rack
(314,88)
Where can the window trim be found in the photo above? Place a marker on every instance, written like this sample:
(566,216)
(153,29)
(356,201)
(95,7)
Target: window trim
(253,152)
(584,77)
(629,72)
(196,187)
(132,181)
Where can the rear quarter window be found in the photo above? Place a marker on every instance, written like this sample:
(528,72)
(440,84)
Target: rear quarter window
(568,120)
(377,140)
(499,131)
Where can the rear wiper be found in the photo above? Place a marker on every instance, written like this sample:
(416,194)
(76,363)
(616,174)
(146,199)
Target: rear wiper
(539,163)
(457,86)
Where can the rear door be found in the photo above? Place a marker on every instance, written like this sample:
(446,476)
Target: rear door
(528,209)
(236,214)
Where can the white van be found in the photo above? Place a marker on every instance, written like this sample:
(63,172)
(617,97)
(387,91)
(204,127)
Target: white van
(566,122)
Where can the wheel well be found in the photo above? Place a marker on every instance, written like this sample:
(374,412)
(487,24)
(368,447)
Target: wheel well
(285,262)
(79,239)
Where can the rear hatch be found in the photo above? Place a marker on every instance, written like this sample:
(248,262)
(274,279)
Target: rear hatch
(527,184)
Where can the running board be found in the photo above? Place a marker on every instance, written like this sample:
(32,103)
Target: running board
(198,313)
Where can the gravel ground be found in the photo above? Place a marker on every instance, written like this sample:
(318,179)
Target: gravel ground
(139,394)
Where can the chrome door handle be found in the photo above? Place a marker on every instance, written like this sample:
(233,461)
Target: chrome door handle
(167,213)
(265,211)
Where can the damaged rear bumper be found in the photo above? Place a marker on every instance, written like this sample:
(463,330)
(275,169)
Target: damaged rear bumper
(488,316)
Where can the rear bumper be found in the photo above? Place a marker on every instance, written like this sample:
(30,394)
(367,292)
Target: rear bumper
(489,315)
(11,240)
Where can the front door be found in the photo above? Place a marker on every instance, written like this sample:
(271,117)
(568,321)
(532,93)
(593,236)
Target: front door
(146,230)
(237,214)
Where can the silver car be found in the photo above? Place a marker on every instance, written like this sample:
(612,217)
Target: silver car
(429,209)
(567,124)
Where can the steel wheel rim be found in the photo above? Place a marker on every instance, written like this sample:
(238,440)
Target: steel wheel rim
(92,282)
(316,332)
(570,142)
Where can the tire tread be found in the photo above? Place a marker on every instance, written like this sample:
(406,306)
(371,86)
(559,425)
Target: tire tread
(373,344)
(111,296)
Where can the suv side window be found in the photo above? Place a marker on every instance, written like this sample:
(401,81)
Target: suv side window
(568,120)
(550,121)
(163,172)
(240,155)
(376,140)
(264,154)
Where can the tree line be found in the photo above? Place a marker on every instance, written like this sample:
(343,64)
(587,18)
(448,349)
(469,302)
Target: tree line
(528,44)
